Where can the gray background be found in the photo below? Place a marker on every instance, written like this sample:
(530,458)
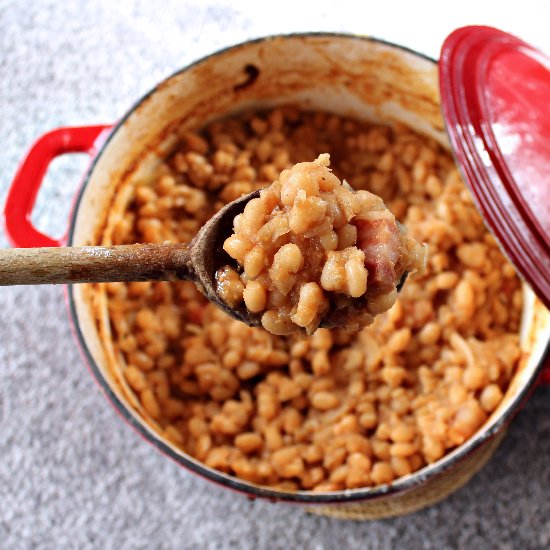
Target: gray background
(72,474)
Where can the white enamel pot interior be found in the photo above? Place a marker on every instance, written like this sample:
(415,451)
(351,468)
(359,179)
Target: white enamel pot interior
(345,74)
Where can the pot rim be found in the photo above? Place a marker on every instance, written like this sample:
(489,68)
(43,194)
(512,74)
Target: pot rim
(401,485)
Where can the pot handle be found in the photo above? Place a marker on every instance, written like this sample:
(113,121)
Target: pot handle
(544,379)
(24,188)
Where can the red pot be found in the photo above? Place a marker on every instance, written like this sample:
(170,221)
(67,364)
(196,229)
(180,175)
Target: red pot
(355,75)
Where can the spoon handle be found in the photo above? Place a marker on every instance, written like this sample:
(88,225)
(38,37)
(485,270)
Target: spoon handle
(87,264)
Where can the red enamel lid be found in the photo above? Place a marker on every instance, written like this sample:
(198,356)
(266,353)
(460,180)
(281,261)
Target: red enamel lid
(495,96)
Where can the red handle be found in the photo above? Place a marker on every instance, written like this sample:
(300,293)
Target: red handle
(24,188)
(545,375)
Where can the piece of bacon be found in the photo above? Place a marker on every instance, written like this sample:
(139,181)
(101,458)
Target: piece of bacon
(379,238)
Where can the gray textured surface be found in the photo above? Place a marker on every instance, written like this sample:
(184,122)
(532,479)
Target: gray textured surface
(72,475)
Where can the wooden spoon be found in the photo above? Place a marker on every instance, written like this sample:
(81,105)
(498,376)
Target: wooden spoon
(197,261)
